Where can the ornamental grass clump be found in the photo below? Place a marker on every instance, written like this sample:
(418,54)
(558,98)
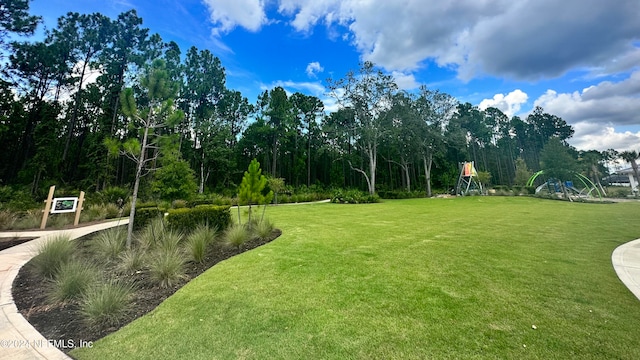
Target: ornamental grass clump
(106,304)
(198,242)
(131,260)
(152,234)
(52,254)
(237,235)
(110,243)
(262,230)
(166,267)
(72,280)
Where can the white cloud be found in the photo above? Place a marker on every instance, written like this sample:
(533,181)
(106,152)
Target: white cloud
(509,104)
(605,103)
(313,68)
(597,111)
(527,39)
(590,137)
(405,81)
(226,15)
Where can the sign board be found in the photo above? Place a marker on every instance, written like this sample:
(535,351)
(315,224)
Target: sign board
(64,205)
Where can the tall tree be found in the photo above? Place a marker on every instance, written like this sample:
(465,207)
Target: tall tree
(15,19)
(369,94)
(160,112)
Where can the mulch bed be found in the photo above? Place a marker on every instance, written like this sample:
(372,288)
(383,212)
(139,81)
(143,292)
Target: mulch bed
(7,242)
(61,321)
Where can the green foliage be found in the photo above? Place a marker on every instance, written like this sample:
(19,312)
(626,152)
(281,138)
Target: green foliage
(110,243)
(52,254)
(111,194)
(190,218)
(174,180)
(618,191)
(237,235)
(522,172)
(104,305)
(253,183)
(31,219)
(170,240)
(484,177)
(72,280)
(93,213)
(166,267)
(199,240)
(16,199)
(145,215)
(556,161)
(401,194)
(353,197)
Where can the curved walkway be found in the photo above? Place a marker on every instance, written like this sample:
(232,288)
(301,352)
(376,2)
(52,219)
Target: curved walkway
(626,262)
(18,339)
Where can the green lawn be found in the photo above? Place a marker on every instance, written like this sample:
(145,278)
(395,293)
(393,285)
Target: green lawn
(408,279)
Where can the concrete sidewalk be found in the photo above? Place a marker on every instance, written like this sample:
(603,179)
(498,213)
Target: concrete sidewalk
(18,339)
(626,262)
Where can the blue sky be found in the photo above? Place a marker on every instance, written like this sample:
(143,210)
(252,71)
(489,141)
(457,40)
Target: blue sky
(578,59)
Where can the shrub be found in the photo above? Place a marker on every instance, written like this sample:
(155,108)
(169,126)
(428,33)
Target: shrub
(7,219)
(131,261)
(353,197)
(145,215)
(186,220)
(237,235)
(179,204)
(108,244)
(93,212)
(52,254)
(167,267)
(30,220)
(106,304)
(263,229)
(111,195)
(72,280)
(198,241)
(112,211)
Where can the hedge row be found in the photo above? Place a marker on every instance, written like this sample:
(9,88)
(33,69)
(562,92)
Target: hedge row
(187,219)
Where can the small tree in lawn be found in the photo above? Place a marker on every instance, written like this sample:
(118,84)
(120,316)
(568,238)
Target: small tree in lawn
(159,113)
(251,187)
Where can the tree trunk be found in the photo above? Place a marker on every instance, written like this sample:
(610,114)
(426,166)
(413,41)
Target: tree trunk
(428,161)
(136,185)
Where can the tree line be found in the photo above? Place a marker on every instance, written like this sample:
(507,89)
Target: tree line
(66,117)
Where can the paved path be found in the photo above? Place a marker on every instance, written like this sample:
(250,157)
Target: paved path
(626,262)
(18,339)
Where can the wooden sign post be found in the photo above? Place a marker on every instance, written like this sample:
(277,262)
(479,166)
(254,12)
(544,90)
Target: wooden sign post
(47,208)
(79,208)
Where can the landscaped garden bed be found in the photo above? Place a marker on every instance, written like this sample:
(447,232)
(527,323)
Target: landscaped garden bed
(59,314)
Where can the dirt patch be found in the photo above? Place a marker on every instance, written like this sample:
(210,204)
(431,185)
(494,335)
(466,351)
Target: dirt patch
(61,321)
(7,242)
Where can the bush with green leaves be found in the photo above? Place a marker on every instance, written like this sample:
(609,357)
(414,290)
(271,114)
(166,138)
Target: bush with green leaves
(146,214)
(52,254)
(237,235)
(166,267)
(72,280)
(111,195)
(110,243)
(198,241)
(353,197)
(104,305)
(188,219)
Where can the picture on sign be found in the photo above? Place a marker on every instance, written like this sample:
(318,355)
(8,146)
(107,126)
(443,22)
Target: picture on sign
(64,205)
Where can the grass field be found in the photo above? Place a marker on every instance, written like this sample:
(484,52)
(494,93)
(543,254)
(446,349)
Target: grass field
(476,277)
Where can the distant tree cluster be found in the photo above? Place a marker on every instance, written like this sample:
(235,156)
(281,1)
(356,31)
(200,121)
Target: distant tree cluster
(80,108)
